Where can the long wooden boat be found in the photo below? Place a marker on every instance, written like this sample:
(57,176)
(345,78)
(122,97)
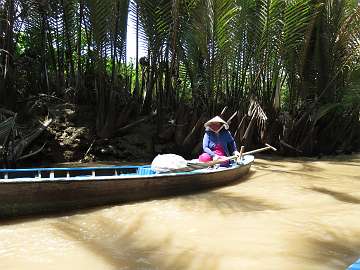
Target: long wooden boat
(41,190)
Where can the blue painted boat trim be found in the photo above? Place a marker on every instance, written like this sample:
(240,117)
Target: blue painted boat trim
(73,169)
(247,159)
(119,173)
(354,266)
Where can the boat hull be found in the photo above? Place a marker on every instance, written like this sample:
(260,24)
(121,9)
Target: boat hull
(19,198)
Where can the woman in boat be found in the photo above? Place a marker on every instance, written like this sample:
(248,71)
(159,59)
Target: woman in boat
(218,141)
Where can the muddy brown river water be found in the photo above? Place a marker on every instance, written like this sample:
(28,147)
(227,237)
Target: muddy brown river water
(296,214)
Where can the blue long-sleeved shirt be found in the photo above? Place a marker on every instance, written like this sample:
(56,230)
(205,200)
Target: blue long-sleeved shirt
(223,138)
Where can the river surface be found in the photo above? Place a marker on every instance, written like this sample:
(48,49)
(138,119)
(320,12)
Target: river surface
(286,214)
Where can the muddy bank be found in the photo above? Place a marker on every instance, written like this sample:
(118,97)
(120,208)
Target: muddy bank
(72,137)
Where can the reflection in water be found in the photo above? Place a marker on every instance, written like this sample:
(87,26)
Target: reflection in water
(227,203)
(120,246)
(287,214)
(331,251)
(341,196)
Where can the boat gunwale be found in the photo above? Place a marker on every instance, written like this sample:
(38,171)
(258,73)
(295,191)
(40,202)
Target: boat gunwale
(73,168)
(250,157)
(116,177)
(121,177)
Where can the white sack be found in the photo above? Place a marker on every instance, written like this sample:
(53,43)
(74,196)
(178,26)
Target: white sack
(168,162)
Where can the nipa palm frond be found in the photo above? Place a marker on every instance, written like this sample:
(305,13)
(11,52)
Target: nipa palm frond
(6,128)
(156,22)
(255,111)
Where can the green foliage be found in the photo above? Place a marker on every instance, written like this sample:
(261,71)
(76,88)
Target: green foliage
(351,98)
(295,57)
(155,20)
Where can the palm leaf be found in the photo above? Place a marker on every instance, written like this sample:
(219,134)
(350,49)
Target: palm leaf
(296,20)
(155,21)
(6,128)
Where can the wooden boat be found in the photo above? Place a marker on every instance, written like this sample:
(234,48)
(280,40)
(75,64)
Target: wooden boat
(29,191)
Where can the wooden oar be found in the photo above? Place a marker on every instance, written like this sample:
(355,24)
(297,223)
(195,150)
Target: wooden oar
(268,147)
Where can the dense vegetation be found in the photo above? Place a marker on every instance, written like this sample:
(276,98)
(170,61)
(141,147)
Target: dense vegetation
(289,68)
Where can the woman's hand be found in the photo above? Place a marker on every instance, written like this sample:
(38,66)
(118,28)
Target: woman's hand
(238,156)
(216,157)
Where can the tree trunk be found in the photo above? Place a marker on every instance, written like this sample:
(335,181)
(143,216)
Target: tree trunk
(79,66)
(7,93)
(69,50)
(136,89)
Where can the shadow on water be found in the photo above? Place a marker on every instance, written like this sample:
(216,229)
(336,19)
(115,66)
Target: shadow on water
(336,250)
(226,203)
(121,246)
(291,172)
(308,167)
(264,165)
(305,165)
(347,164)
(340,196)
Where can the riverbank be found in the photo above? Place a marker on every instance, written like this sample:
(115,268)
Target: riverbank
(72,137)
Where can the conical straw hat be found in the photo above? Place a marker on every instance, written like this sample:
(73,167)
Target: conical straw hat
(217,119)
